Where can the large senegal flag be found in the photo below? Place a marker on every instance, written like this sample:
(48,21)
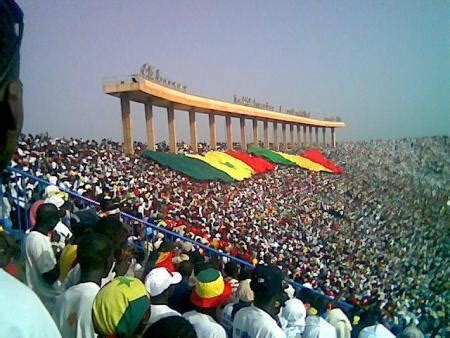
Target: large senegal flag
(317,157)
(304,162)
(228,164)
(258,164)
(189,166)
(270,155)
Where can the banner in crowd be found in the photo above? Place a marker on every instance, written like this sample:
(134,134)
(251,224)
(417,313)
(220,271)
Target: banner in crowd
(191,167)
(228,164)
(304,162)
(231,165)
(258,164)
(317,157)
(270,155)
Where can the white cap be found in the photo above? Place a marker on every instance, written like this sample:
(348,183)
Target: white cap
(159,280)
(56,200)
(51,190)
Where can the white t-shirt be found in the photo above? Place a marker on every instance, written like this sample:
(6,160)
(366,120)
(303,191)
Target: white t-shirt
(39,259)
(160,311)
(227,322)
(73,311)
(64,232)
(74,275)
(22,313)
(376,331)
(205,326)
(317,327)
(252,322)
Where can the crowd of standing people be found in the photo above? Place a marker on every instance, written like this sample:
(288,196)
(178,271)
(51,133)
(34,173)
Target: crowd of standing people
(375,236)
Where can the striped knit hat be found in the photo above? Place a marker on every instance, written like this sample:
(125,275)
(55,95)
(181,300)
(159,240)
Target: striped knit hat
(210,289)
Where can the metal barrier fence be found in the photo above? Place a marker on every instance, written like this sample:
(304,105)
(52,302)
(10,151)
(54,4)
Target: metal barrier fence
(19,221)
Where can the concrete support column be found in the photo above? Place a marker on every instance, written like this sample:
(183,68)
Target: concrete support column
(193,130)
(299,136)
(212,132)
(333,138)
(149,125)
(291,132)
(304,136)
(172,132)
(283,133)
(317,137)
(126,125)
(243,138)
(310,142)
(255,133)
(324,139)
(229,133)
(275,135)
(266,134)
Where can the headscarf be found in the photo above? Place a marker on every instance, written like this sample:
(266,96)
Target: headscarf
(119,307)
(293,316)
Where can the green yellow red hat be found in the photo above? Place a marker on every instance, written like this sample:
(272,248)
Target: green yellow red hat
(210,289)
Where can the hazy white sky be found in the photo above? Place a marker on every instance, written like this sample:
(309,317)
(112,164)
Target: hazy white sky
(383,66)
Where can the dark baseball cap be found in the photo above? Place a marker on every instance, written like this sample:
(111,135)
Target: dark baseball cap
(267,279)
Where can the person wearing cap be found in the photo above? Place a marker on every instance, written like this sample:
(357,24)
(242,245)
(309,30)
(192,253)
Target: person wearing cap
(121,308)
(260,320)
(41,267)
(73,308)
(159,284)
(245,297)
(210,292)
(292,318)
(62,231)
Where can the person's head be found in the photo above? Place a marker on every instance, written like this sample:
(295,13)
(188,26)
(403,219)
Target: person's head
(113,228)
(244,274)
(11,110)
(47,216)
(159,284)
(294,313)
(185,269)
(171,327)
(94,253)
(267,285)
(231,269)
(244,292)
(210,291)
(121,308)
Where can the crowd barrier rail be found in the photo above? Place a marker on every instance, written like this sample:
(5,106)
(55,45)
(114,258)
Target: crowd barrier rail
(21,202)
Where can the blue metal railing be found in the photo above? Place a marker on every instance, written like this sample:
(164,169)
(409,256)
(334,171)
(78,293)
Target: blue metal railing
(17,173)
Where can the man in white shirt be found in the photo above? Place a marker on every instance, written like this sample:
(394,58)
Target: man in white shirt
(159,284)
(73,309)
(260,320)
(22,315)
(317,327)
(209,293)
(41,267)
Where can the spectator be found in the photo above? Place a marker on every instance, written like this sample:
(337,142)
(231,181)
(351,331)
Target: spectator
(209,294)
(73,308)
(180,298)
(41,267)
(293,315)
(260,320)
(339,320)
(121,308)
(171,327)
(317,327)
(160,284)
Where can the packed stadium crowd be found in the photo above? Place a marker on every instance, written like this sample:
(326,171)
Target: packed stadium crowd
(375,237)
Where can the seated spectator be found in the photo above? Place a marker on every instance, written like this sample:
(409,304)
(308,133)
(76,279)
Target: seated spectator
(41,267)
(180,298)
(293,315)
(260,320)
(317,327)
(209,293)
(73,308)
(339,320)
(160,284)
(121,308)
(171,327)
(23,315)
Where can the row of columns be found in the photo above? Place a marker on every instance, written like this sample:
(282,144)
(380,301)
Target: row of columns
(128,136)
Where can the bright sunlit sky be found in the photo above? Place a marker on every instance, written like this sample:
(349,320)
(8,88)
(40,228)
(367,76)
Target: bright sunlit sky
(382,66)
